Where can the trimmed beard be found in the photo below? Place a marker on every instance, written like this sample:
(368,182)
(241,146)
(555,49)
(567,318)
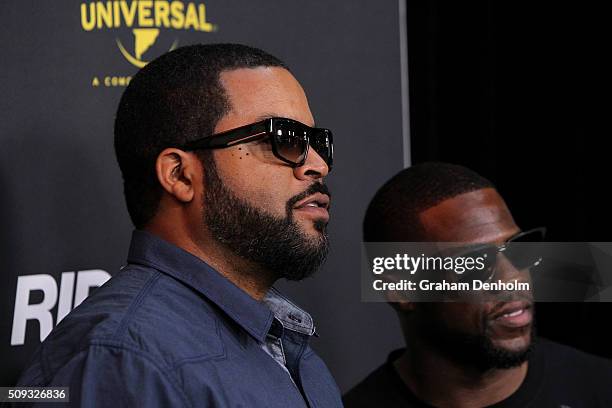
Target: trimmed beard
(276,244)
(475,350)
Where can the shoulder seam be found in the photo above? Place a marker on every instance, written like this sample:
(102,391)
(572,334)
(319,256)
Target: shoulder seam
(135,304)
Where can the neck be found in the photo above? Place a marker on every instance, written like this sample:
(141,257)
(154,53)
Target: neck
(442,383)
(241,272)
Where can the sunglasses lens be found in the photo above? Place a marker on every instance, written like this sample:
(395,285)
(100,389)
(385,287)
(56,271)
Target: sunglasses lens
(291,141)
(322,142)
(485,257)
(523,255)
(292,138)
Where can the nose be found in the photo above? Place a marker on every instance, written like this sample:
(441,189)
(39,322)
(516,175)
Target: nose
(313,168)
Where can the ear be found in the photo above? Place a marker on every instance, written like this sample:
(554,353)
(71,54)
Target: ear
(398,300)
(177,172)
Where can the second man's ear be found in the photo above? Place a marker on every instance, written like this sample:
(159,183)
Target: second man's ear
(399,303)
(176,172)
(398,300)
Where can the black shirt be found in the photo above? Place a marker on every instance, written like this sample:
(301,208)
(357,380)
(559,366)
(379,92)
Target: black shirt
(558,377)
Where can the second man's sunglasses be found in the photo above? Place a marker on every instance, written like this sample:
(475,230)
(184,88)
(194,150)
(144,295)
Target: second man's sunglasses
(516,250)
(290,140)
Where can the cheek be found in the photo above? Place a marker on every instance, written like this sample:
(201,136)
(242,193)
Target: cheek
(259,184)
(464,317)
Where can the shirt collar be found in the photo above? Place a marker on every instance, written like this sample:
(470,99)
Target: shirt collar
(254,316)
(290,315)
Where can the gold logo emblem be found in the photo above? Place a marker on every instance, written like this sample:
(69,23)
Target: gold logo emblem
(146,20)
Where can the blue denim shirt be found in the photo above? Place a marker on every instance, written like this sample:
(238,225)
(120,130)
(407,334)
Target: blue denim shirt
(170,331)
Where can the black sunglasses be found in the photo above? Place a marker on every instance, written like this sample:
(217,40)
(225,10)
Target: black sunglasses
(521,256)
(290,140)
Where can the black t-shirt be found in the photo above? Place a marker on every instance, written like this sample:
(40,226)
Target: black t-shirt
(558,376)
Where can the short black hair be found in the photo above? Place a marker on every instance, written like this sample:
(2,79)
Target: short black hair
(393,213)
(174,99)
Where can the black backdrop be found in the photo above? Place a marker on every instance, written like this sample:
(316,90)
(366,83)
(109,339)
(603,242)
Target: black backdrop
(514,91)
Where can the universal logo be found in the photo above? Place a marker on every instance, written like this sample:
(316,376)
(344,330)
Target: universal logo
(138,26)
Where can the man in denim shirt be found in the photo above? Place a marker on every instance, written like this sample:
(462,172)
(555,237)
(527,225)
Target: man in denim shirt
(223,178)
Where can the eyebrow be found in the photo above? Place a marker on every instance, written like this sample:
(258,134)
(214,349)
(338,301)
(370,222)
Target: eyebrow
(272,115)
(266,116)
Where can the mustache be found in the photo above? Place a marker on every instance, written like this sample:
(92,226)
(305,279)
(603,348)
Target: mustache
(316,187)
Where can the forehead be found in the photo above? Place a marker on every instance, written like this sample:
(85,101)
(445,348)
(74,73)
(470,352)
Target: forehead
(477,216)
(255,93)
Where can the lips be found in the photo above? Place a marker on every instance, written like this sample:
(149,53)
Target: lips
(314,207)
(514,314)
(317,200)
(510,308)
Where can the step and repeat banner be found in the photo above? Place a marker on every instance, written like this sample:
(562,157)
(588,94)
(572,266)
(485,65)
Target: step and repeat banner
(64,226)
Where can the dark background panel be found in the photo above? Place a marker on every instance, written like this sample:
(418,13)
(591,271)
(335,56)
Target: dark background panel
(515,92)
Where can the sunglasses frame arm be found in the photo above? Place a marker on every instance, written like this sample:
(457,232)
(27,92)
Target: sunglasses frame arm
(232,137)
(541,230)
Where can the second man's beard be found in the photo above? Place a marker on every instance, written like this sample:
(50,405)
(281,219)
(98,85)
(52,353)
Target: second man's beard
(473,350)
